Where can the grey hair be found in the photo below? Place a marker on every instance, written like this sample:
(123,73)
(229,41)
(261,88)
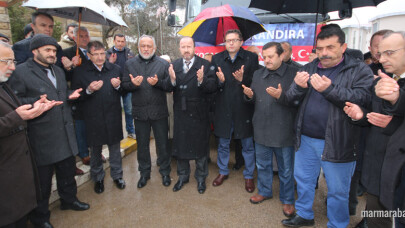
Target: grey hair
(289,45)
(82,28)
(6,45)
(401,33)
(147,36)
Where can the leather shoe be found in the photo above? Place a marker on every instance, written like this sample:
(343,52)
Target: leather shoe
(79,172)
(86,160)
(120,183)
(258,198)
(289,210)
(179,185)
(362,224)
(297,221)
(75,205)
(219,179)
(201,187)
(99,187)
(249,185)
(166,181)
(142,181)
(44,225)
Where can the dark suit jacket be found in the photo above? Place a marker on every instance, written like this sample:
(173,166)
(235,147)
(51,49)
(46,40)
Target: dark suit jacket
(191,109)
(52,135)
(19,183)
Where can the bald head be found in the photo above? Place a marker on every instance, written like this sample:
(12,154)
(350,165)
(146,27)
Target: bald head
(391,51)
(187,48)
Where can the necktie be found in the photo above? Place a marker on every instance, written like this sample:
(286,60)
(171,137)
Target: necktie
(51,77)
(188,65)
(85,53)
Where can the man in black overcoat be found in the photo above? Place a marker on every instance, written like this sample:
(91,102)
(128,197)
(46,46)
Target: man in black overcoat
(51,135)
(101,90)
(192,78)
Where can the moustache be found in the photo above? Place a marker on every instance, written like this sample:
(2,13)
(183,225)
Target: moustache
(325,57)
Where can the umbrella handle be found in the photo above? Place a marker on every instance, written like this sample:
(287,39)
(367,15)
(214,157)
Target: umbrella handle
(78,37)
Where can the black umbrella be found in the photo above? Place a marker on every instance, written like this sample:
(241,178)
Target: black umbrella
(310,6)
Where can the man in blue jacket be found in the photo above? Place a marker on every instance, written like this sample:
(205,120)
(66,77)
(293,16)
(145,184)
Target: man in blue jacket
(325,137)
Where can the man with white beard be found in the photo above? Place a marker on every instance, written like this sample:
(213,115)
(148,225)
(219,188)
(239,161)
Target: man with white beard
(145,76)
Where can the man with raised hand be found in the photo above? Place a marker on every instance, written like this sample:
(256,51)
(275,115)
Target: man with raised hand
(233,116)
(51,135)
(273,123)
(325,136)
(192,79)
(145,77)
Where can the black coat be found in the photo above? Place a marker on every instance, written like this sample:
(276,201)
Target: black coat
(376,145)
(352,83)
(19,181)
(77,107)
(191,119)
(52,135)
(102,108)
(148,102)
(230,106)
(394,160)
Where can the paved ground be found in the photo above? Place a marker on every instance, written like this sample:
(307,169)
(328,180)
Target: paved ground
(158,206)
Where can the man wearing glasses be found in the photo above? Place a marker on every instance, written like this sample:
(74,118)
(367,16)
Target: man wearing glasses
(392,57)
(18,174)
(233,116)
(51,135)
(101,84)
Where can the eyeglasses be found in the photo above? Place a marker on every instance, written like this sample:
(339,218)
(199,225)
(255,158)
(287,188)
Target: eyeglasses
(387,53)
(9,61)
(97,54)
(232,41)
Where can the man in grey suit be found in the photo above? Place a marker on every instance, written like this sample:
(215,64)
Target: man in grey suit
(51,135)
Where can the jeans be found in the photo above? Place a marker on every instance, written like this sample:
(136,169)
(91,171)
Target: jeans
(264,163)
(248,152)
(80,129)
(129,121)
(308,162)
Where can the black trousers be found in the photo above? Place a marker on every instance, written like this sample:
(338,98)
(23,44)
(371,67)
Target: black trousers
(66,184)
(21,223)
(373,204)
(201,169)
(160,131)
(354,185)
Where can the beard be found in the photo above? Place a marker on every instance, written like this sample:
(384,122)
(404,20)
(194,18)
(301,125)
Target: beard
(3,76)
(147,57)
(45,60)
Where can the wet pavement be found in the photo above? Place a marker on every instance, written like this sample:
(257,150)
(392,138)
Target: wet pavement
(158,206)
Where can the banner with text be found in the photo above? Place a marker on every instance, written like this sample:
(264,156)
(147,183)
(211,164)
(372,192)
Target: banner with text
(300,35)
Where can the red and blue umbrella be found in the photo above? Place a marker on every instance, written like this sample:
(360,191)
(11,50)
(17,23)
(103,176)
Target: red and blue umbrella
(211,24)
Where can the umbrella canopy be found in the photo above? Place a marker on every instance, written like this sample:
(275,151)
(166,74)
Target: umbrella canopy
(310,6)
(95,11)
(212,23)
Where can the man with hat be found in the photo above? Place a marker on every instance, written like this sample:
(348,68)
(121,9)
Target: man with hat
(51,135)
